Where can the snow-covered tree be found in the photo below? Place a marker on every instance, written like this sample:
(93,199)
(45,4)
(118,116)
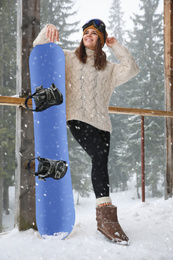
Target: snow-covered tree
(116,24)
(118,177)
(61,13)
(146,90)
(8,88)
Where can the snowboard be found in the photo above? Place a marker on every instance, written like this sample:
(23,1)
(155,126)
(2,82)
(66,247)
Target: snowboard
(55,213)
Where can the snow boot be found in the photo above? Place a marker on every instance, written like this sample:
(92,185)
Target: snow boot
(107,224)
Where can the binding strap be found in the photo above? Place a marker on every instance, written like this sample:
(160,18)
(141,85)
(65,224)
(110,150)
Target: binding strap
(49,168)
(45,98)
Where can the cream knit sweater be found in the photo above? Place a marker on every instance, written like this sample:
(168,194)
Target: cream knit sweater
(88,90)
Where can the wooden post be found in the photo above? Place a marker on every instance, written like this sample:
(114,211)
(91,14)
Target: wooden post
(168,39)
(28,27)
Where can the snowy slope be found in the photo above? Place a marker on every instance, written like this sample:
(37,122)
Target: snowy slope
(149,226)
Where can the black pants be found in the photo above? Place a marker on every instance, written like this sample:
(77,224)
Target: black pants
(96,143)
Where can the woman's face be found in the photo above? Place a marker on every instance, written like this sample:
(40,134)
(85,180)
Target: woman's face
(90,38)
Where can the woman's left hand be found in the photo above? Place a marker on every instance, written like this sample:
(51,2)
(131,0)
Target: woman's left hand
(110,41)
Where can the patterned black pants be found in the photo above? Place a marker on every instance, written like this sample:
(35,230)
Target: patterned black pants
(96,143)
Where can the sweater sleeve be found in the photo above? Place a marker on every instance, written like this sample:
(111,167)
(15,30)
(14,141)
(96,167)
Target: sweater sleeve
(42,37)
(127,68)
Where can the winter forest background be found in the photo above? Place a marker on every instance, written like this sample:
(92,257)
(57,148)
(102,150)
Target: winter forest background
(145,41)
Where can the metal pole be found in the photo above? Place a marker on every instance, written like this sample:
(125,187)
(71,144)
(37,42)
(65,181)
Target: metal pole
(142,159)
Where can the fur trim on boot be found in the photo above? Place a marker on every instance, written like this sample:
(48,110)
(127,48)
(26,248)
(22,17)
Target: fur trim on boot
(107,224)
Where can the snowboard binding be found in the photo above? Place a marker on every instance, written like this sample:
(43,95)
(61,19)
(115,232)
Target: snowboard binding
(49,168)
(45,98)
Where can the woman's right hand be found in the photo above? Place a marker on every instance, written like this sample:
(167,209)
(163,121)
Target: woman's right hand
(52,33)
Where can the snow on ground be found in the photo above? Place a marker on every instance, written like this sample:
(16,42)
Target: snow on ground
(149,226)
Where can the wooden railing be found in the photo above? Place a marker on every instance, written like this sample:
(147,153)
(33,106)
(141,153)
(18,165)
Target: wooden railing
(14,101)
(20,102)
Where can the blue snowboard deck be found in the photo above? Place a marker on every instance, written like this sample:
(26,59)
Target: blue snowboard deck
(55,213)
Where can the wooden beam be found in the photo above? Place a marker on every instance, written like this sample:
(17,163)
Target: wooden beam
(20,102)
(14,101)
(168,54)
(141,112)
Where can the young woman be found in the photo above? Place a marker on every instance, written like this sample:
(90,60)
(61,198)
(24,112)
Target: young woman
(90,81)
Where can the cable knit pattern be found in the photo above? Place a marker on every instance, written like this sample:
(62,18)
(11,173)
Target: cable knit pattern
(88,90)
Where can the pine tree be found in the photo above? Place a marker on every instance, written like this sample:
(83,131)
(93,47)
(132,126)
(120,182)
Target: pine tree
(118,174)
(7,87)
(116,24)
(146,90)
(59,13)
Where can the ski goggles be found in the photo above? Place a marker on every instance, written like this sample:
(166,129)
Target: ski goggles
(98,24)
